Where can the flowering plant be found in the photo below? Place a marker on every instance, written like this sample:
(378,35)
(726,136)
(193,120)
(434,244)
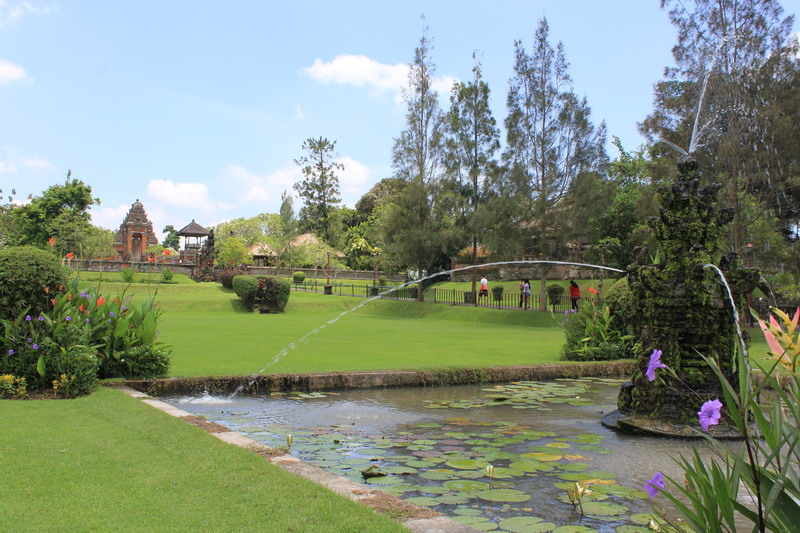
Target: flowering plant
(766,464)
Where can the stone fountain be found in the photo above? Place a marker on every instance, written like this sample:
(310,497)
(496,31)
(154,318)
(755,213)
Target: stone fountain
(684,310)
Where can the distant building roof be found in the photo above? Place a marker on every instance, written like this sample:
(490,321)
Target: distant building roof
(193,229)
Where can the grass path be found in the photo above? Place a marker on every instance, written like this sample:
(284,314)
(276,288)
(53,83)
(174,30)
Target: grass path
(108,462)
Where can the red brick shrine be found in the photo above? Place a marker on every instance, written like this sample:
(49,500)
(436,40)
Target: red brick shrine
(135,235)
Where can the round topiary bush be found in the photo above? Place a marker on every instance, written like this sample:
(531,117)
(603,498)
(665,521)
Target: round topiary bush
(167,275)
(226,276)
(272,295)
(29,277)
(299,276)
(245,288)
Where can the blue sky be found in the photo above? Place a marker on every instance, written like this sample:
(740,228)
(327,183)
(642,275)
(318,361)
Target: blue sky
(199,108)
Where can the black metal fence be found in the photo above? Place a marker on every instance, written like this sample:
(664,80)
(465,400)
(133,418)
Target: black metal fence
(504,300)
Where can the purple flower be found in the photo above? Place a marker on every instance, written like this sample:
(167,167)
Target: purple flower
(655,362)
(27,318)
(124,308)
(69,318)
(87,320)
(35,346)
(30,340)
(652,486)
(111,313)
(83,295)
(709,414)
(41,319)
(11,352)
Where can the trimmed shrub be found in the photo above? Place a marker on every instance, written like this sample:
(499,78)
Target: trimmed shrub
(554,293)
(299,276)
(167,275)
(382,281)
(226,276)
(272,295)
(140,362)
(28,279)
(127,274)
(246,288)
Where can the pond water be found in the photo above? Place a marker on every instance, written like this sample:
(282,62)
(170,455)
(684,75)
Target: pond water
(434,445)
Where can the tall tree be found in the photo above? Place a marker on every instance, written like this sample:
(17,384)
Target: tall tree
(471,140)
(416,231)
(171,239)
(730,100)
(550,140)
(320,187)
(62,211)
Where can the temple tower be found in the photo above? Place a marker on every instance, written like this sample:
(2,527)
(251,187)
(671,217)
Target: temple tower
(135,235)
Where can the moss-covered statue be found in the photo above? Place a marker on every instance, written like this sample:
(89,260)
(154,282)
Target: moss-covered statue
(683,309)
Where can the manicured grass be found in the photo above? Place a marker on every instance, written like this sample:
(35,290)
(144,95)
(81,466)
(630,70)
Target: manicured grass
(108,462)
(211,335)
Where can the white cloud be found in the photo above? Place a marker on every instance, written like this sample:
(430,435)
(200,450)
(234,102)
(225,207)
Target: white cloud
(9,72)
(11,161)
(37,163)
(379,78)
(354,181)
(263,189)
(298,113)
(109,217)
(193,195)
(10,11)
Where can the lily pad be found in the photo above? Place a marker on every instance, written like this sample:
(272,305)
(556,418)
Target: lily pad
(504,495)
(526,524)
(574,529)
(438,474)
(604,509)
(425,501)
(466,464)
(463,485)
(476,522)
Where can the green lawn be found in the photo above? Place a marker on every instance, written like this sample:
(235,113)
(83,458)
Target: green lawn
(108,462)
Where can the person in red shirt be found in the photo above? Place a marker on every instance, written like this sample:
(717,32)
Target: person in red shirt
(574,294)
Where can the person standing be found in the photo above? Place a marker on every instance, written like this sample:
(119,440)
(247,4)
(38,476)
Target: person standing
(521,292)
(574,294)
(484,292)
(526,294)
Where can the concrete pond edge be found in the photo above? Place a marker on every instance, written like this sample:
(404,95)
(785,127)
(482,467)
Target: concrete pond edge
(417,519)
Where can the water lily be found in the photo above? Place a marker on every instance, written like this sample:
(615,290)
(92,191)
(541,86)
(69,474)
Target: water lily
(289,441)
(490,471)
(655,362)
(654,484)
(709,414)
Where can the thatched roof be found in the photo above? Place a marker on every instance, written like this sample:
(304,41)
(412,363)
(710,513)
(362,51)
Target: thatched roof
(193,229)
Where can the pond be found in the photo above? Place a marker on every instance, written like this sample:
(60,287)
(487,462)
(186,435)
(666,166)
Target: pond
(434,445)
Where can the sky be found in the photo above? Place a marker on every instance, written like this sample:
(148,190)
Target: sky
(198,109)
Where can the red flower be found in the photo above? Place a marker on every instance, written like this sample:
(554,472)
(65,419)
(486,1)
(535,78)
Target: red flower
(69,296)
(53,301)
(167,252)
(150,259)
(592,290)
(51,241)
(46,290)
(80,308)
(71,255)
(101,301)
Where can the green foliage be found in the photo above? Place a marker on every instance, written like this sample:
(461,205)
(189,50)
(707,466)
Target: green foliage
(139,362)
(233,251)
(272,294)
(299,276)
(81,336)
(227,275)
(591,335)
(167,275)
(28,278)
(246,288)
(127,274)
(382,281)
(554,292)
(171,238)
(12,387)
(622,303)
(75,370)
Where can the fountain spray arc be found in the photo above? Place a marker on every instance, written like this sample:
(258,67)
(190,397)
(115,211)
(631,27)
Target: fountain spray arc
(683,309)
